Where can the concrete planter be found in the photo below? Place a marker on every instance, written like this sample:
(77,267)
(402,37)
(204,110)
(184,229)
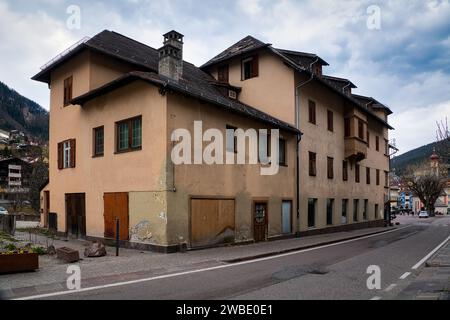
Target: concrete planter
(18,262)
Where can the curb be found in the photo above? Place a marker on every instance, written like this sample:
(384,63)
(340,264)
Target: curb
(278,252)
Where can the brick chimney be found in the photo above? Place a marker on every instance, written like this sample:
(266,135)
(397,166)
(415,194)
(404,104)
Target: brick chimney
(171,56)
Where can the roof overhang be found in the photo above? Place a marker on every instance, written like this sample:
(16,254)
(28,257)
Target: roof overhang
(166,83)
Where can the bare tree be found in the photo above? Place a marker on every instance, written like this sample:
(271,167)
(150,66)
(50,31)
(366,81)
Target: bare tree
(426,184)
(443,140)
(428,188)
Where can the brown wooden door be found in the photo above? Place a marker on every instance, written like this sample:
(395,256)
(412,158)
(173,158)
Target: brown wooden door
(260,221)
(212,221)
(76,215)
(116,206)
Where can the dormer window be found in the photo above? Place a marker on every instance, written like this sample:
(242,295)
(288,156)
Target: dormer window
(250,68)
(223,74)
(232,94)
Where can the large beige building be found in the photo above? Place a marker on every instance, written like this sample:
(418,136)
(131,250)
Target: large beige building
(115,104)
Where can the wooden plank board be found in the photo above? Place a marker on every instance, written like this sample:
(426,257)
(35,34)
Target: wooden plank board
(212,221)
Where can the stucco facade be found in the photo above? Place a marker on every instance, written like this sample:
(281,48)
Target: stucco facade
(162,198)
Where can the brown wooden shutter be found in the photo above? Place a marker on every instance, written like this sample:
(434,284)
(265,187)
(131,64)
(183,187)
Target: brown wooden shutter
(72,153)
(60,156)
(255,66)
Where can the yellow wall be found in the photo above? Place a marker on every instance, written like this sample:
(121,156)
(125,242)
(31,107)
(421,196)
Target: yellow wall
(241,182)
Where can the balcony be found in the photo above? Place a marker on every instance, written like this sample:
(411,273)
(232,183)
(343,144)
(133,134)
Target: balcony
(355,149)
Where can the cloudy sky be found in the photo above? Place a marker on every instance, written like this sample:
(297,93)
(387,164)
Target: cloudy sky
(402,59)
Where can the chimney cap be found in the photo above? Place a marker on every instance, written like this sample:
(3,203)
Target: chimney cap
(173,32)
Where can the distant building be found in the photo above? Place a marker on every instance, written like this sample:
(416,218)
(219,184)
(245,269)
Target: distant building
(15,177)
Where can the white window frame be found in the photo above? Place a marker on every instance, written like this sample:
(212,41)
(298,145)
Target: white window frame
(66,154)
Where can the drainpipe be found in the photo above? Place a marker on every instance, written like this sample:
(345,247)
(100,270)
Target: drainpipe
(345,87)
(299,137)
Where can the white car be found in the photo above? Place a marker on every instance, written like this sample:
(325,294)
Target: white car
(423,214)
(3,210)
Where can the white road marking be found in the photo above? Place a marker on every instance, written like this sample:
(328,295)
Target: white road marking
(392,286)
(376,298)
(405,275)
(119,284)
(421,262)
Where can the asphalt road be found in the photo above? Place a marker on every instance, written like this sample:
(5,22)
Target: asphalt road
(331,272)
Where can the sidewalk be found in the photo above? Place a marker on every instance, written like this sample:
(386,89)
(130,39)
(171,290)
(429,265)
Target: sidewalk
(433,283)
(133,264)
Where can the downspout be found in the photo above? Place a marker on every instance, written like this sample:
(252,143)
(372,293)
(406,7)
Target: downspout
(299,137)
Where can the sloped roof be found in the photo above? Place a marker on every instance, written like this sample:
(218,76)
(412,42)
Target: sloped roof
(194,82)
(373,103)
(297,60)
(303,58)
(196,89)
(340,83)
(246,45)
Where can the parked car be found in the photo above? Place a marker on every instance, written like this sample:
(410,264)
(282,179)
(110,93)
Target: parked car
(423,214)
(3,210)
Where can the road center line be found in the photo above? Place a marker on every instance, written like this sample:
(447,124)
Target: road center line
(376,298)
(405,275)
(418,264)
(118,284)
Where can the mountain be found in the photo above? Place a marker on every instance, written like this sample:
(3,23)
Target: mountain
(20,113)
(416,156)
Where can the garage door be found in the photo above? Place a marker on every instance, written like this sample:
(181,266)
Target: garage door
(212,222)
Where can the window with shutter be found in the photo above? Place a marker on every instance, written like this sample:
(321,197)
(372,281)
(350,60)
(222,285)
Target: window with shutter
(66,154)
(68,84)
(72,153)
(330,121)
(60,156)
(223,74)
(312,164)
(330,168)
(312,112)
(250,68)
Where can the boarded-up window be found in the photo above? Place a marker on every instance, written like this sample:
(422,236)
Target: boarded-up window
(345,170)
(312,164)
(360,129)
(68,85)
(312,112)
(223,74)
(330,169)
(330,121)
(212,221)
